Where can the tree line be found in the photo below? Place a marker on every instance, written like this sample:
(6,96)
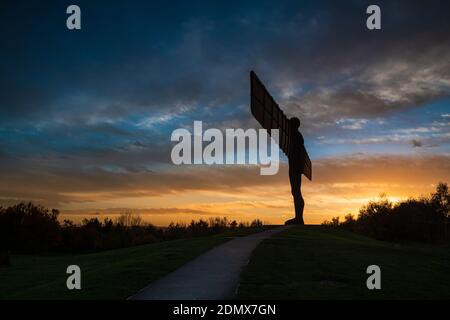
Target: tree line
(30,228)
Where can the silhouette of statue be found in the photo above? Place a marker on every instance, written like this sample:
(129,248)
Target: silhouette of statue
(296,169)
(267,112)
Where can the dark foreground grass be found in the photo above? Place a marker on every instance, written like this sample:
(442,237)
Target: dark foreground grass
(316,262)
(114,274)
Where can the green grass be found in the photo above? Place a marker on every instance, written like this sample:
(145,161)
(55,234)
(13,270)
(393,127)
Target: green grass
(114,274)
(315,262)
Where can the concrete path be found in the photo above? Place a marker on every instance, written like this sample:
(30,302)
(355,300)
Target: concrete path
(212,275)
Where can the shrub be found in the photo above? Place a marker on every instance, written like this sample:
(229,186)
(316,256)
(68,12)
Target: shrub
(424,219)
(29,228)
(256,223)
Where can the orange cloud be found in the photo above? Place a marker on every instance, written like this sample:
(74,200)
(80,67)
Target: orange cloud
(341,185)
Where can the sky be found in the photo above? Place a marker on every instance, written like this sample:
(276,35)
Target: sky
(86,116)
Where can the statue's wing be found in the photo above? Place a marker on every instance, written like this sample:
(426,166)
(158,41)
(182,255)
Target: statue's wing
(268,113)
(307,166)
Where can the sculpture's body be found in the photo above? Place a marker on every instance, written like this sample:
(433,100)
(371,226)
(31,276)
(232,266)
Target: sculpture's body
(295,170)
(270,116)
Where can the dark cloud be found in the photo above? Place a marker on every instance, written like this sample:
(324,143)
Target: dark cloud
(148,211)
(204,62)
(57,187)
(416,143)
(386,169)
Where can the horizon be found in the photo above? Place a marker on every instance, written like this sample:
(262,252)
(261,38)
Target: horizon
(86,116)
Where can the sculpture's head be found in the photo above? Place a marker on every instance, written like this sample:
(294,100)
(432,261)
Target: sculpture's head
(294,122)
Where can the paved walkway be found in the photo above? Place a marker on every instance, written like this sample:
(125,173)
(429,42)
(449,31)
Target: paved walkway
(212,275)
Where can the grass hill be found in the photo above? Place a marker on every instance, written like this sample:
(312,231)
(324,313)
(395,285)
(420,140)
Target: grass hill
(113,274)
(310,262)
(318,262)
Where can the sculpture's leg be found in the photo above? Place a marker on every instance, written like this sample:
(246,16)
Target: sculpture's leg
(299,203)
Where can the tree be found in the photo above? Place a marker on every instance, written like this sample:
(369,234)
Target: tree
(441,198)
(128,219)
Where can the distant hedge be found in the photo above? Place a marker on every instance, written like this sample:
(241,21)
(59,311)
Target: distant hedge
(30,228)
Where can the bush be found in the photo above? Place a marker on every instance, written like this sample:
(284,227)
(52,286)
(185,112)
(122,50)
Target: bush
(423,219)
(29,228)
(94,235)
(256,223)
